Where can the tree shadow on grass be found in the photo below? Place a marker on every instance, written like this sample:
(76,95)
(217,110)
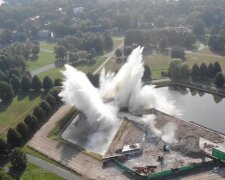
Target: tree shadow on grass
(15,174)
(4,106)
(22,95)
(33,95)
(34,58)
(3,161)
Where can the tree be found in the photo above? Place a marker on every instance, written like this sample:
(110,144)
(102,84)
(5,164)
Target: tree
(23,130)
(55,92)
(118,52)
(147,73)
(174,68)
(6,92)
(219,80)
(127,50)
(160,22)
(163,43)
(217,68)
(223,25)
(35,50)
(15,81)
(58,82)
(60,52)
(210,70)
(108,43)
(189,40)
(18,159)
(177,53)
(3,76)
(25,84)
(51,100)
(14,138)
(198,28)
(4,149)
(203,70)
(5,36)
(31,121)
(34,32)
(39,113)
(36,83)
(184,71)
(4,175)
(47,83)
(94,79)
(195,72)
(45,106)
(93,52)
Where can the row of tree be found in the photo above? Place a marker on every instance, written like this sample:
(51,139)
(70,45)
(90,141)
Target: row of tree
(126,51)
(180,70)
(25,84)
(24,130)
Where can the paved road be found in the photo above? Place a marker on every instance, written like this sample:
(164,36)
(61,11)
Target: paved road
(47,50)
(42,69)
(52,168)
(109,56)
(202,54)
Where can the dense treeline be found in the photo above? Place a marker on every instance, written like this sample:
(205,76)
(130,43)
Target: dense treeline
(179,69)
(83,48)
(28,17)
(160,38)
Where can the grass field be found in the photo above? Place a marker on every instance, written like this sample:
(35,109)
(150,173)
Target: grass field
(160,62)
(116,41)
(157,62)
(55,73)
(37,173)
(47,45)
(15,112)
(44,58)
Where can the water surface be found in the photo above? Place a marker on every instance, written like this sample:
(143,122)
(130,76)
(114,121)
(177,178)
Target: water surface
(202,108)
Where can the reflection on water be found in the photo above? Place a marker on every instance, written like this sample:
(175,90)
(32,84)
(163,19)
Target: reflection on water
(198,106)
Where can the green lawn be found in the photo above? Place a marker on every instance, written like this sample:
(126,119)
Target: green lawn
(55,73)
(200,58)
(15,112)
(44,58)
(47,45)
(157,62)
(37,173)
(116,41)
(160,62)
(52,73)
(112,65)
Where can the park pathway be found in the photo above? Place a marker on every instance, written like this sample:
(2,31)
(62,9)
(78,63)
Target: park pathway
(52,168)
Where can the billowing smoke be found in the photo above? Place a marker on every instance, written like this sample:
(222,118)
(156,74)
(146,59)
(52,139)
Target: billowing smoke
(168,132)
(123,90)
(79,92)
(101,118)
(127,91)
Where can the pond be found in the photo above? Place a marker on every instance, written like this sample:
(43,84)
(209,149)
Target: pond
(202,108)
